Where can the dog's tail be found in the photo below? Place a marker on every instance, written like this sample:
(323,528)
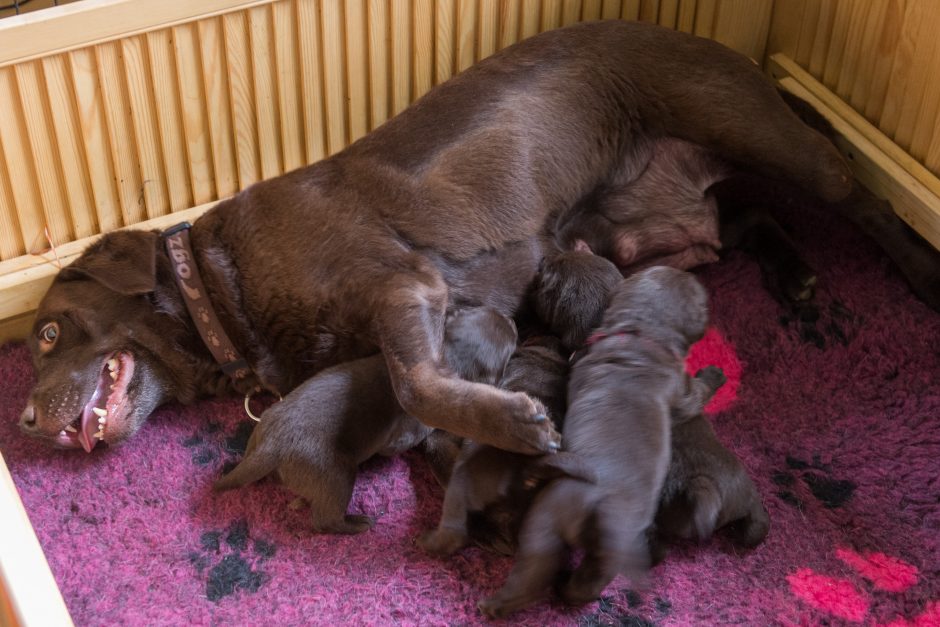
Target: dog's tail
(256,464)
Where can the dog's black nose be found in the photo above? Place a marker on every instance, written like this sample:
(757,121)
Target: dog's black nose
(28,418)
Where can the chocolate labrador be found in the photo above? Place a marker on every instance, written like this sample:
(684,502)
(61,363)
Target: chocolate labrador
(365,251)
(623,395)
(317,437)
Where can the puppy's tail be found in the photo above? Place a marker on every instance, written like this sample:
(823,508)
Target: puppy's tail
(256,464)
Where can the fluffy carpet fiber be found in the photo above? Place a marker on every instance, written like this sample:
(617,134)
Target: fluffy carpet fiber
(837,417)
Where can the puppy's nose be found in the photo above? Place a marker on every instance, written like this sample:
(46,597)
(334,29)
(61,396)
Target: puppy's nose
(28,418)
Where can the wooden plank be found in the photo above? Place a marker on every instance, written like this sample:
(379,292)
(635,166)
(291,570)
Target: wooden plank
(169,119)
(19,162)
(379,94)
(11,241)
(785,26)
(610,10)
(92,22)
(833,65)
(286,60)
(68,140)
(263,73)
(422,47)
(401,56)
(445,19)
(219,107)
(508,22)
(921,80)
(743,25)
(551,15)
(24,571)
(880,75)
(465,30)
(334,75)
(241,98)
(357,70)
(822,40)
(15,329)
(570,12)
(486,31)
(705,11)
(858,87)
(591,10)
(192,100)
(649,11)
(139,83)
(668,13)
(809,26)
(880,164)
(311,79)
(45,160)
(531,13)
(90,107)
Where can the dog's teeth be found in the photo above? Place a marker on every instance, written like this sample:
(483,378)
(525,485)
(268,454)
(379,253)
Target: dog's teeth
(100,435)
(102,420)
(112,364)
(62,433)
(101,413)
(71,428)
(113,375)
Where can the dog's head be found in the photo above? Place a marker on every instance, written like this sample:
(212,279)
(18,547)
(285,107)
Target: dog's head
(663,303)
(103,344)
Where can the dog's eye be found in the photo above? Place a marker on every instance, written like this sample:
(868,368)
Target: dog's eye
(49,334)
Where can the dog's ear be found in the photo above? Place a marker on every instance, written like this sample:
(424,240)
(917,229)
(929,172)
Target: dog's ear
(123,261)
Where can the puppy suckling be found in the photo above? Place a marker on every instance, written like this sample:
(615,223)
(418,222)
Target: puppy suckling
(622,396)
(487,490)
(316,438)
(707,487)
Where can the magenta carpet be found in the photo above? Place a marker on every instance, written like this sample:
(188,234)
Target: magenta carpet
(837,418)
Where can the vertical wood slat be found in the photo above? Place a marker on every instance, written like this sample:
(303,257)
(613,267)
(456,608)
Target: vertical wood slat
(218,106)
(140,97)
(378,62)
(120,133)
(94,134)
(357,76)
(169,119)
(445,17)
(401,56)
(284,31)
(240,97)
(311,79)
(422,47)
(466,34)
(194,115)
(263,72)
(43,150)
(334,78)
(487,30)
(25,211)
(509,11)
(531,12)
(11,243)
(71,154)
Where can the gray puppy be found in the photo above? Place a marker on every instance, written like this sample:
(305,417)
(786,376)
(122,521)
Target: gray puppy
(348,413)
(623,395)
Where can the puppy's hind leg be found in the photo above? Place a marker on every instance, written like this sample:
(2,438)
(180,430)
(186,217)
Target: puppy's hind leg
(451,533)
(257,463)
(328,487)
(409,326)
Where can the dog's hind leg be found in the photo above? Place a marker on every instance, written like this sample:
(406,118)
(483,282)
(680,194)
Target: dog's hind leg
(409,327)
(328,487)
(256,464)
(451,532)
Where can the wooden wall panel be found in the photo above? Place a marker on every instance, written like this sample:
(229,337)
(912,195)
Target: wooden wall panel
(118,111)
(882,57)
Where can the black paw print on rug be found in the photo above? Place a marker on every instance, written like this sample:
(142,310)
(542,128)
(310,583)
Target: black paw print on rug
(820,324)
(829,491)
(210,444)
(239,566)
(609,614)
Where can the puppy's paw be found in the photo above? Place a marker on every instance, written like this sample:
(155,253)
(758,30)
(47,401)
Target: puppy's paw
(492,607)
(351,524)
(442,542)
(529,429)
(713,376)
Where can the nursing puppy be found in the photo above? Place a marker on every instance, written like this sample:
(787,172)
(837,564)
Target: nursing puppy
(623,394)
(707,487)
(316,438)
(488,489)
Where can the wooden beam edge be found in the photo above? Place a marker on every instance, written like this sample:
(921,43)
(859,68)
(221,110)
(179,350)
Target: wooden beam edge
(27,582)
(24,280)
(878,163)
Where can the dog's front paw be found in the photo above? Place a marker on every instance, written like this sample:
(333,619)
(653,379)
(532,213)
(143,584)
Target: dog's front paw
(529,429)
(713,376)
(442,542)
(493,607)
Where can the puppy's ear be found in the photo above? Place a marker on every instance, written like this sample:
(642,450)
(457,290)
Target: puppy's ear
(123,261)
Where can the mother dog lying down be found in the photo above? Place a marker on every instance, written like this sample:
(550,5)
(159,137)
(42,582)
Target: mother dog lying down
(366,250)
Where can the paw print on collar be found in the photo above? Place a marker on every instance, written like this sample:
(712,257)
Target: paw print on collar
(239,566)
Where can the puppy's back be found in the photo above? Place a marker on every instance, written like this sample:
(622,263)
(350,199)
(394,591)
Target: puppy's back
(478,343)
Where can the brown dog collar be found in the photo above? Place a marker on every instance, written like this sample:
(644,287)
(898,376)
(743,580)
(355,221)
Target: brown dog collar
(200,308)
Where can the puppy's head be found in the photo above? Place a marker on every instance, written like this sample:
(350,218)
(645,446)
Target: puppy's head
(478,343)
(102,349)
(572,293)
(663,303)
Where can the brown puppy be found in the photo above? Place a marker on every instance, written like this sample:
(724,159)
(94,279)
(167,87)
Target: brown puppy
(366,251)
(316,438)
(488,489)
(622,394)
(708,488)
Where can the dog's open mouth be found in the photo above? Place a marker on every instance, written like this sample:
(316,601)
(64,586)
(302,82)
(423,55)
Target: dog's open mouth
(107,408)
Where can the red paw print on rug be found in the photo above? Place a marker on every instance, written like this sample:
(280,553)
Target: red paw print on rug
(714,350)
(840,598)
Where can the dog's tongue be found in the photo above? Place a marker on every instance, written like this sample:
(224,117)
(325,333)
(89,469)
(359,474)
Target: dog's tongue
(86,435)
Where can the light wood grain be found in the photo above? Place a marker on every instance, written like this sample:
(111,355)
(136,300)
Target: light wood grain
(241,98)
(192,98)
(357,69)
(218,107)
(311,79)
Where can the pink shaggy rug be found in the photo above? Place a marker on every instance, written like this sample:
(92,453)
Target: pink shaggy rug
(836,416)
